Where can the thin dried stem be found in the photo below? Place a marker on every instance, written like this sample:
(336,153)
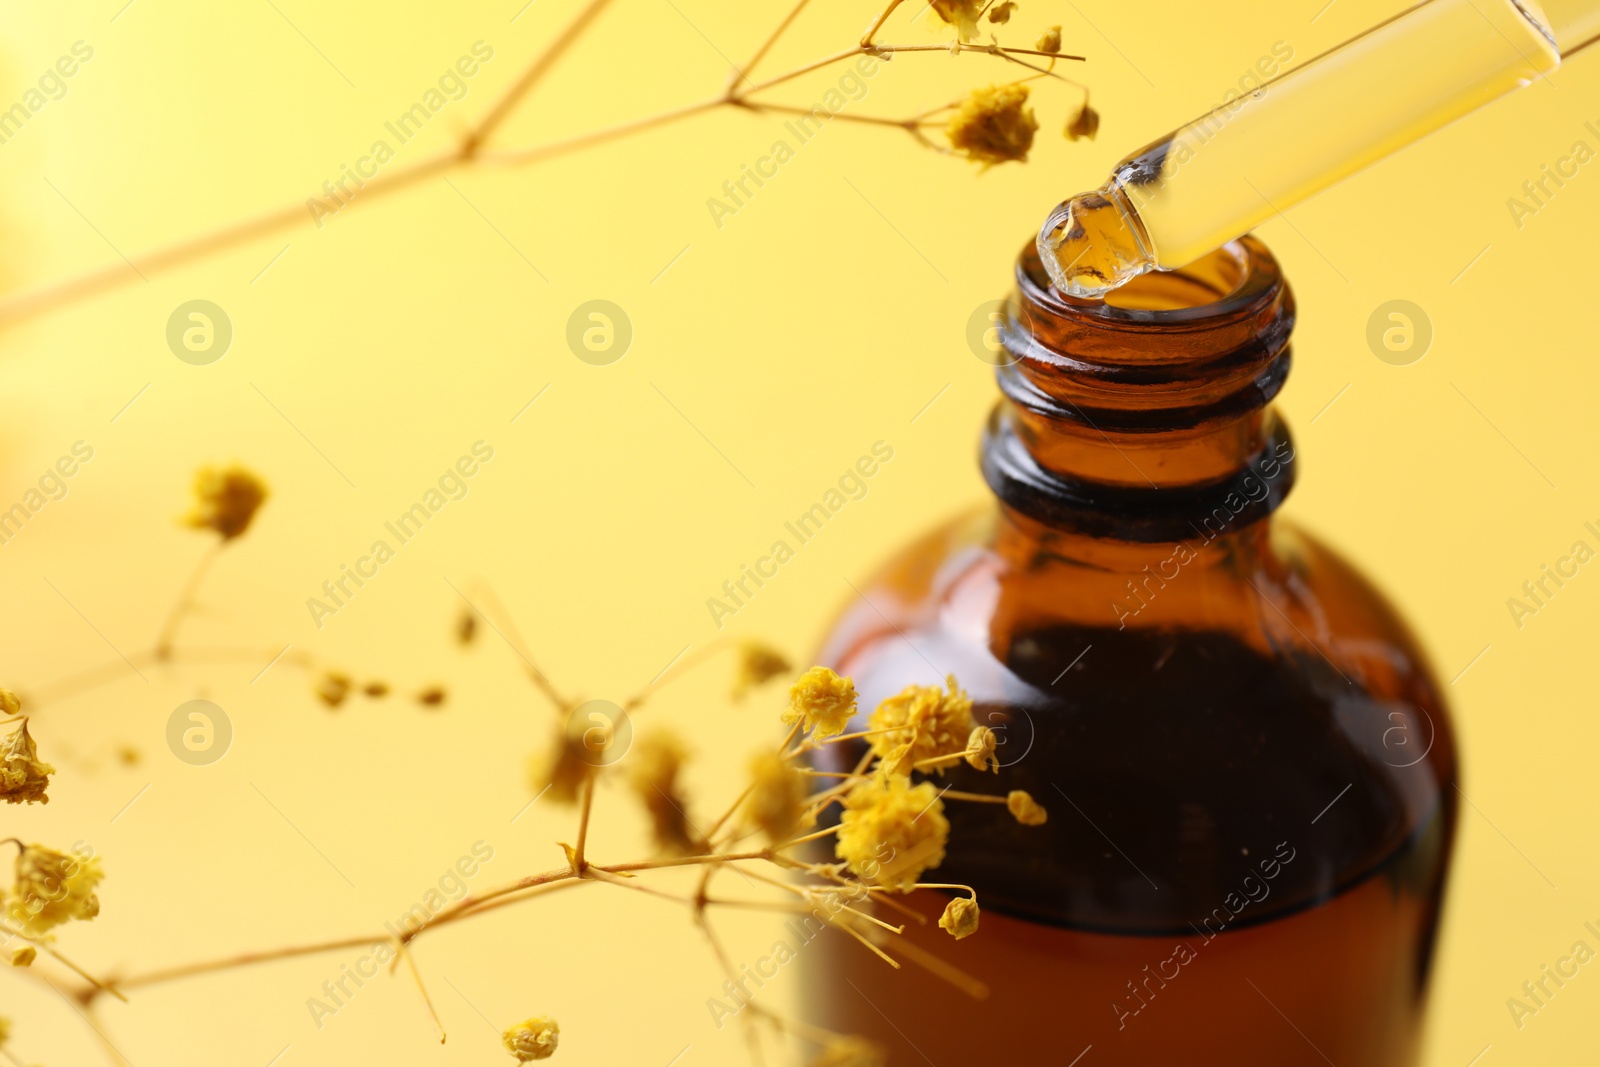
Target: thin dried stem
(31,302)
(819,835)
(859,936)
(743,75)
(979,798)
(676,671)
(805,68)
(103,987)
(638,887)
(531,76)
(471,149)
(411,965)
(986,49)
(245,959)
(586,805)
(506,626)
(877,23)
(185,601)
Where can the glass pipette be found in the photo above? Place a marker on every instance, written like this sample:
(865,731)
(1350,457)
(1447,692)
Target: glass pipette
(1235,167)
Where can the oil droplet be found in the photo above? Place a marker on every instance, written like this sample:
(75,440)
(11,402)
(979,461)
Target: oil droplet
(1092,244)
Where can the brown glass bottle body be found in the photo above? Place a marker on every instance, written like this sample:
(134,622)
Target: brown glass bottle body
(1249,769)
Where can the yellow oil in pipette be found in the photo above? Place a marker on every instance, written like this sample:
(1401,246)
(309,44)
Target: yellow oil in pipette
(1232,169)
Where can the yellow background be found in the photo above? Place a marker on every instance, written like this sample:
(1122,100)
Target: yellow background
(822,317)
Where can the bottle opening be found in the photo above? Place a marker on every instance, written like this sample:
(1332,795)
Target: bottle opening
(1211,279)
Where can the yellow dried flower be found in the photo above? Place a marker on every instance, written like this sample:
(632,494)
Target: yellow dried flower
(129,756)
(653,768)
(5,1029)
(758,664)
(891,831)
(962,14)
(1000,14)
(777,796)
(821,700)
(466,626)
(933,722)
(24,956)
(23,776)
(1084,125)
(899,761)
(850,1052)
(993,125)
(376,690)
(1025,809)
(226,499)
(535,1039)
(562,769)
(1049,41)
(52,888)
(960,918)
(332,688)
(431,697)
(980,750)
(10,703)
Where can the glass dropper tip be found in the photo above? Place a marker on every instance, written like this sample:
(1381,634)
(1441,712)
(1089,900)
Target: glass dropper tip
(1091,245)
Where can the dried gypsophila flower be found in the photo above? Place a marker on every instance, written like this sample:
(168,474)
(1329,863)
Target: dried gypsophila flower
(532,1039)
(758,664)
(332,688)
(52,888)
(226,500)
(890,831)
(993,125)
(1025,809)
(822,701)
(23,776)
(980,754)
(563,768)
(933,723)
(850,1052)
(960,918)
(778,792)
(1001,13)
(1084,125)
(962,14)
(653,768)
(24,956)
(1049,41)
(10,703)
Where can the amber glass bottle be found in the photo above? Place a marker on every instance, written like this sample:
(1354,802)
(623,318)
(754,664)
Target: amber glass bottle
(1248,767)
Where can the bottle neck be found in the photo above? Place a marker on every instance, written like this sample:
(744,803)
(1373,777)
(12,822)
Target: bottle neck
(1145,419)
